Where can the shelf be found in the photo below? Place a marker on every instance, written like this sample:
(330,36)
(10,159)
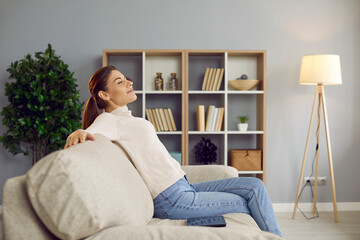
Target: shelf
(228,132)
(228,92)
(216,139)
(205,133)
(141,66)
(206,92)
(169,133)
(245,92)
(247,132)
(250,172)
(163,92)
(164,62)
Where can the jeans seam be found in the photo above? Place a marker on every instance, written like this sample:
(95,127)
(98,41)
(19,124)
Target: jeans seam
(257,202)
(162,206)
(207,205)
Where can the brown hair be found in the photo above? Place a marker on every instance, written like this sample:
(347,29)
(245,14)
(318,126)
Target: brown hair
(97,83)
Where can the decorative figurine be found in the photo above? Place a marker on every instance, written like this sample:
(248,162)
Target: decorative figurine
(205,151)
(243,77)
(173,82)
(159,82)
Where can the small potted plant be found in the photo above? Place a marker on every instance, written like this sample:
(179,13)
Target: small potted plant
(243,125)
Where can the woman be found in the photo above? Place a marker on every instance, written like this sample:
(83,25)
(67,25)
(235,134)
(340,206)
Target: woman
(173,196)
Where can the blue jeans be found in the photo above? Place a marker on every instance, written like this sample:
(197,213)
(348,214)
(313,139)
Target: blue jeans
(232,195)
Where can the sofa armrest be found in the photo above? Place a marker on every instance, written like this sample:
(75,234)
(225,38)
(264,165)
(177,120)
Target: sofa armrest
(20,221)
(202,173)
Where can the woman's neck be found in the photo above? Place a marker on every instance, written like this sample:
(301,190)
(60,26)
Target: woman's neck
(109,109)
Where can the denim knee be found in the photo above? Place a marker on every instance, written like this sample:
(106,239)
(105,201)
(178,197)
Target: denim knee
(257,184)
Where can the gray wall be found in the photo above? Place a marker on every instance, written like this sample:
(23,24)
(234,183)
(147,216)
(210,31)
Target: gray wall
(79,30)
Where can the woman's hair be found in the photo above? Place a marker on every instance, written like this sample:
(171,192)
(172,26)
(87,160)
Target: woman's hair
(98,82)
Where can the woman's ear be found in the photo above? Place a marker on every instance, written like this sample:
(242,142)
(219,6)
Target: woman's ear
(104,95)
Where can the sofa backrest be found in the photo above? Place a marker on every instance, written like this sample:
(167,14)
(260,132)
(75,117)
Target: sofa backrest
(86,188)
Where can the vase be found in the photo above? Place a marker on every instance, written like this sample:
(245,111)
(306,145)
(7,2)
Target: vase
(242,127)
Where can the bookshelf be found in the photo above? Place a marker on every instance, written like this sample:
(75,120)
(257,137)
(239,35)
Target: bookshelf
(190,65)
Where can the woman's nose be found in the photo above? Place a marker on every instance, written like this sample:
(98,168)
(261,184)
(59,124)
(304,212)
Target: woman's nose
(129,83)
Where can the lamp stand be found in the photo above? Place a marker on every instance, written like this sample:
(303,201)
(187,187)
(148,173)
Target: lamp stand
(320,94)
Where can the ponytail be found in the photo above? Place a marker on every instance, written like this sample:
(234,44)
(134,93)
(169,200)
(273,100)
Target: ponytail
(90,113)
(97,83)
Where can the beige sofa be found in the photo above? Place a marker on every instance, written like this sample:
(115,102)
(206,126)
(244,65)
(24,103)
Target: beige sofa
(92,191)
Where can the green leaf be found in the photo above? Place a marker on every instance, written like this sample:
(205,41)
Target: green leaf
(41,98)
(21,121)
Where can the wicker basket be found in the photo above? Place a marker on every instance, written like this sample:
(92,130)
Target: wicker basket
(246,160)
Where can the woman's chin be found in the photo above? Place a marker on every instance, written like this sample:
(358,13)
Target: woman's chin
(133,98)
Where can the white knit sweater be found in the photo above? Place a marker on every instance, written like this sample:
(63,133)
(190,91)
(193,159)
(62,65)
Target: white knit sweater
(138,138)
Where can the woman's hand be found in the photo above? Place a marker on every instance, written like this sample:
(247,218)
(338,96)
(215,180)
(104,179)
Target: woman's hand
(78,136)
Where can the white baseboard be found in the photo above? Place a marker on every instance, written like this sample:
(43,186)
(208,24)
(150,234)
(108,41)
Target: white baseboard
(323,207)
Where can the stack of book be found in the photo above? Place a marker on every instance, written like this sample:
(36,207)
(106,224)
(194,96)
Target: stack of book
(213,120)
(212,79)
(162,119)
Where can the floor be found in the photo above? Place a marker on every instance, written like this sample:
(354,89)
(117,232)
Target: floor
(320,228)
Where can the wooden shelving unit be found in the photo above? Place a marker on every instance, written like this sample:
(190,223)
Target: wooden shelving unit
(141,66)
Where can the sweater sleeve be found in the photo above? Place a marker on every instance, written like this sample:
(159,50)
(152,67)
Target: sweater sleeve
(104,124)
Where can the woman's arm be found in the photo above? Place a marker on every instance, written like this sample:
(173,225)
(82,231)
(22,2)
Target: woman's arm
(104,124)
(78,136)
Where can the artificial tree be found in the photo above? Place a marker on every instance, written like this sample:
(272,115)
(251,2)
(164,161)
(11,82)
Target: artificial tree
(44,105)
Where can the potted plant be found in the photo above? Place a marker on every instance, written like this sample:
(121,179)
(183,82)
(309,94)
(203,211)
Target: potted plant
(43,107)
(243,125)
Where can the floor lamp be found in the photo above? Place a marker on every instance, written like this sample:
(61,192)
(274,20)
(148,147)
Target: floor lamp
(319,70)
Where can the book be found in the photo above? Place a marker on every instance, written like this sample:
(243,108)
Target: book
(211,84)
(206,76)
(211,74)
(163,119)
(213,124)
(172,119)
(201,117)
(153,114)
(157,114)
(168,120)
(221,117)
(215,80)
(149,117)
(217,119)
(209,117)
(217,88)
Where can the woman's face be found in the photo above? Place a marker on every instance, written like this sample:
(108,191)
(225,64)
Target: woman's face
(119,91)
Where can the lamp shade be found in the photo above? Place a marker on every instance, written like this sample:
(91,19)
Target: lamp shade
(320,69)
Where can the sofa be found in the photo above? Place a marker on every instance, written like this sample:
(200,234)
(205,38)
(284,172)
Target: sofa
(92,191)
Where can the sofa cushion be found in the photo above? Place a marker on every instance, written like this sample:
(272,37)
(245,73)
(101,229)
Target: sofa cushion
(203,173)
(81,190)
(238,226)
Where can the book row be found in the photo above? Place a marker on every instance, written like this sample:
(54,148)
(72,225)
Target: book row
(161,118)
(212,79)
(213,120)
